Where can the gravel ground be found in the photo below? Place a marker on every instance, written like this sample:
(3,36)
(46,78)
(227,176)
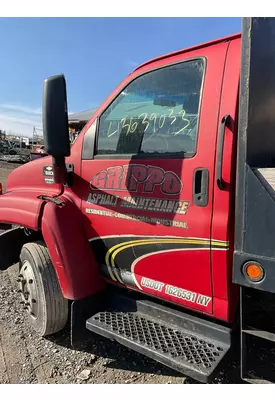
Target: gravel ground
(26,358)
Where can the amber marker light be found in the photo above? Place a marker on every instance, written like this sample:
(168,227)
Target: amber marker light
(253,271)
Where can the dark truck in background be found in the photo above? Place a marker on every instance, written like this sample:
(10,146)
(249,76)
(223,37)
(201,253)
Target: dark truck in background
(156,228)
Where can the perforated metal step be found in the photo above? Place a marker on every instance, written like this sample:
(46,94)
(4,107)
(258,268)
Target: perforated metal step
(172,338)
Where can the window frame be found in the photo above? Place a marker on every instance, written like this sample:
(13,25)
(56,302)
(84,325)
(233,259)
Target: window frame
(91,136)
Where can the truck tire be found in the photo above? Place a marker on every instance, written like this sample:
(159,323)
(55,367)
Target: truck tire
(40,291)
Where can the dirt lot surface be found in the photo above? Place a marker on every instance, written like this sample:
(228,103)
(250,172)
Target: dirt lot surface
(26,358)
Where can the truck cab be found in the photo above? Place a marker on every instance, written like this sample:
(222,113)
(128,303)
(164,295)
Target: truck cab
(142,205)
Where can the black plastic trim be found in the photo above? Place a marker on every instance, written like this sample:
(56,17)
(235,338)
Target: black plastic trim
(89,142)
(258,234)
(201,187)
(81,310)
(142,156)
(219,178)
(255,206)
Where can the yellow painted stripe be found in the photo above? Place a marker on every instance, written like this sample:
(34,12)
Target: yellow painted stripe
(116,273)
(117,276)
(110,270)
(220,243)
(111,273)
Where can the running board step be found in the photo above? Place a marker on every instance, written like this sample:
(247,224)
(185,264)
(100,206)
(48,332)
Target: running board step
(193,346)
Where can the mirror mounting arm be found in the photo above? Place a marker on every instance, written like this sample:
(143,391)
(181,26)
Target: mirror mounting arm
(60,173)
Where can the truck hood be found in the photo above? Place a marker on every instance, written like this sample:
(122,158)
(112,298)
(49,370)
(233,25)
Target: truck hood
(30,177)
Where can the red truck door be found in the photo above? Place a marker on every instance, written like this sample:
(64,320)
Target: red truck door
(147,178)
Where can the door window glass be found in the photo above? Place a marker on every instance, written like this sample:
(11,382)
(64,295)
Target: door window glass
(155,114)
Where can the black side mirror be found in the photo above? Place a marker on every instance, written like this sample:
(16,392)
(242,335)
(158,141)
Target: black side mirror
(55,124)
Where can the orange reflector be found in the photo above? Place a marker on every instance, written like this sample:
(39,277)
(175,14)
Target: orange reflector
(253,271)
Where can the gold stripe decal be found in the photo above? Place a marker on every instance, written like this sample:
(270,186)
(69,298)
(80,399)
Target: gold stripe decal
(116,249)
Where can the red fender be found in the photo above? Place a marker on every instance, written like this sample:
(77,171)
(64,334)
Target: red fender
(21,208)
(71,254)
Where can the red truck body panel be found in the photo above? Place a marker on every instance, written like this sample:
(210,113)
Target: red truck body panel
(187,265)
(183,257)
(22,208)
(74,260)
(226,295)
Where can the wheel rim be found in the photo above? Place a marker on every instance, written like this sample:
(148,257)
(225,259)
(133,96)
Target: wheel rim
(28,289)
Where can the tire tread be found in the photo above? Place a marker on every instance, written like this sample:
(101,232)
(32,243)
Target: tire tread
(55,305)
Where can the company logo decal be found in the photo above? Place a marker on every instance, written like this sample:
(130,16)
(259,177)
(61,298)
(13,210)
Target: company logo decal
(137,177)
(142,179)
(48,174)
